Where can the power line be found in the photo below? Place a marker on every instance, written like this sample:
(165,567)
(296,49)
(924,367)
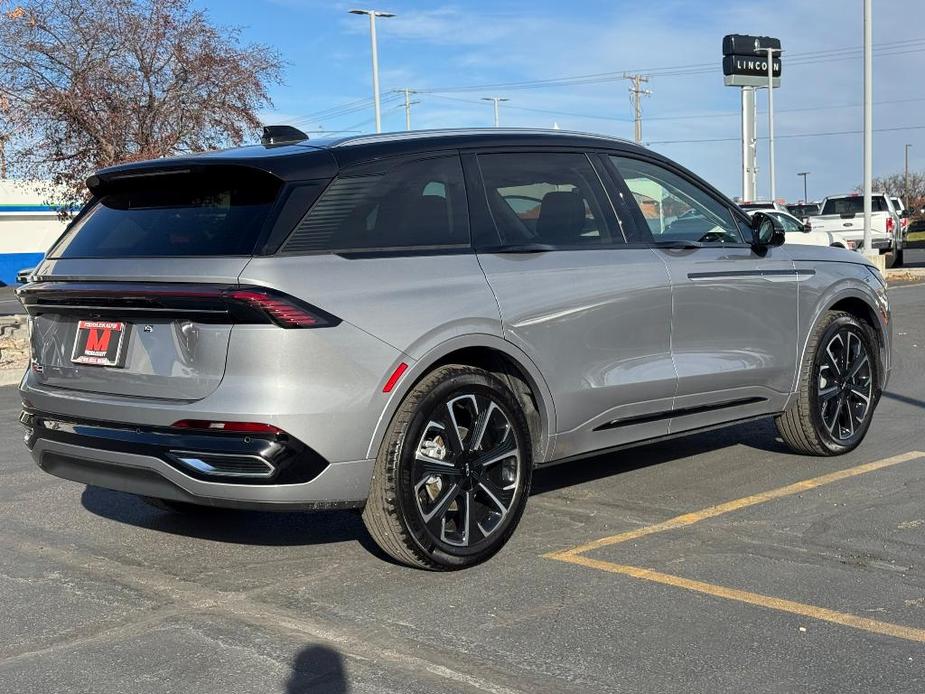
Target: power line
(902,47)
(791,135)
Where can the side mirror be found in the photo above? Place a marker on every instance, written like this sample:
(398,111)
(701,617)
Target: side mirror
(806,227)
(766,231)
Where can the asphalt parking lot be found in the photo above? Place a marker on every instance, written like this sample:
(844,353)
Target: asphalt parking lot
(718,562)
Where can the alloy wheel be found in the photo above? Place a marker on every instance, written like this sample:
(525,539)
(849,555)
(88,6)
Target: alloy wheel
(844,385)
(466,472)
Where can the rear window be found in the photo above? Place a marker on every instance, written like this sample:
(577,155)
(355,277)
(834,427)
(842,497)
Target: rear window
(853,204)
(807,210)
(186,214)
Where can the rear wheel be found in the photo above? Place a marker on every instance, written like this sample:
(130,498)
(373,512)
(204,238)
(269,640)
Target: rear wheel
(839,388)
(453,473)
(893,259)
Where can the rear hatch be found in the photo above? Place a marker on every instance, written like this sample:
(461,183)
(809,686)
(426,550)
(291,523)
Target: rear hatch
(139,297)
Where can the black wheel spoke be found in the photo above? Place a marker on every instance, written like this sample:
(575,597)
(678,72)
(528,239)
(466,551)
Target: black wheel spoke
(497,496)
(437,512)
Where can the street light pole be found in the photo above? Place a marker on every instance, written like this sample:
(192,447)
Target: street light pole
(868,124)
(497,102)
(906,179)
(771,52)
(375,52)
(804,174)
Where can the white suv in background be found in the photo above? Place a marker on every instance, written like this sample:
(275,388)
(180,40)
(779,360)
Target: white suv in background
(797,232)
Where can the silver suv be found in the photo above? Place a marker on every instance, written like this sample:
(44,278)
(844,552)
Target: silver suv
(410,324)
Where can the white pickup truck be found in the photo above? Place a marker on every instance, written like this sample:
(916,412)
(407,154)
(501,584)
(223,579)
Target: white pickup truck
(843,217)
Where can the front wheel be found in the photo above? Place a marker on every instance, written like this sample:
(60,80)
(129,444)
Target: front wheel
(838,391)
(453,473)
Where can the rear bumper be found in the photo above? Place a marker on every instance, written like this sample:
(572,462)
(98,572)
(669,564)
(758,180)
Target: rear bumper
(145,461)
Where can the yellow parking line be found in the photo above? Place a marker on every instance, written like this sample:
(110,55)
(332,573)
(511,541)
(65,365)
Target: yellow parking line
(574,555)
(737,504)
(821,613)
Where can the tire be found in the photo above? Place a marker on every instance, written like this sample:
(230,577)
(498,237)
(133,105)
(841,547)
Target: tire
(830,415)
(441,502)
(893,259)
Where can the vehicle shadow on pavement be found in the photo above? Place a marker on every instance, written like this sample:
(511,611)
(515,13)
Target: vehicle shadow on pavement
(317,669)
(759,434)
(228,525)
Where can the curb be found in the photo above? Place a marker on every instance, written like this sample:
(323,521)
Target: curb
(9,377)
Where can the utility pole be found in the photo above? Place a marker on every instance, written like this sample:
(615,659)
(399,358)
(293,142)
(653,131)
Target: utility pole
(868,124)
(905,179)
(375,51)
(636,94)
(772,172)
(497,101)
(804,174)
(408,102)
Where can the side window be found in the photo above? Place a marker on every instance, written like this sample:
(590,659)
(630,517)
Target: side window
(555,199)
(788,223)
(674,208)
(415,204)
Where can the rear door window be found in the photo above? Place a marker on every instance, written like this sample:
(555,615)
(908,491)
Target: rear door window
(553,199)
(222,212)
(418,204)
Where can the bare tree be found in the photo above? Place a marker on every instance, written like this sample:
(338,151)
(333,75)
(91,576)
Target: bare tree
(91,83)
(894,185)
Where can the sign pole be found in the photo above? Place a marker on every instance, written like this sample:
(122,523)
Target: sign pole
(770,52)
(749,142)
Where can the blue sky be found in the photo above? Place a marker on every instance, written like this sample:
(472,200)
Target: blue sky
(445,46)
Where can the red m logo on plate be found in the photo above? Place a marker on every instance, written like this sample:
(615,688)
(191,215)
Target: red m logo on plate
(98,341)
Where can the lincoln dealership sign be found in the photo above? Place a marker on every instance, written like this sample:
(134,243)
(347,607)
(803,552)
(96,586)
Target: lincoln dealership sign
(745,60)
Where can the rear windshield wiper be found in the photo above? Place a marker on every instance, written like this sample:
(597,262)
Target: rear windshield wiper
(678,243)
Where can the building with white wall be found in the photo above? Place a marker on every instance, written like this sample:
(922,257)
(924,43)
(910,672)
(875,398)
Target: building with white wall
(29,224)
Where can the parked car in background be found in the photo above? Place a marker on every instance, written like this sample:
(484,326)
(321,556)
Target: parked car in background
(804,210)
(843,215)
(762,205)
(797,231)
(411,323)
(903,213)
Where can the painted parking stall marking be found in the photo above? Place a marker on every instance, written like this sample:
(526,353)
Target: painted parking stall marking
(577,555)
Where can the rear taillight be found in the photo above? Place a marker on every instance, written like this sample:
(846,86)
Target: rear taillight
(205,303)
(281,309)
(232,427)
(889,225)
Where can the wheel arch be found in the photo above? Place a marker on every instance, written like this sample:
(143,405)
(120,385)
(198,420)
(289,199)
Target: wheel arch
(497,356)
(859,304)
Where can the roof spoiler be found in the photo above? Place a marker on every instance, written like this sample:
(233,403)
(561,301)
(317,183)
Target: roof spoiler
(281,135)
